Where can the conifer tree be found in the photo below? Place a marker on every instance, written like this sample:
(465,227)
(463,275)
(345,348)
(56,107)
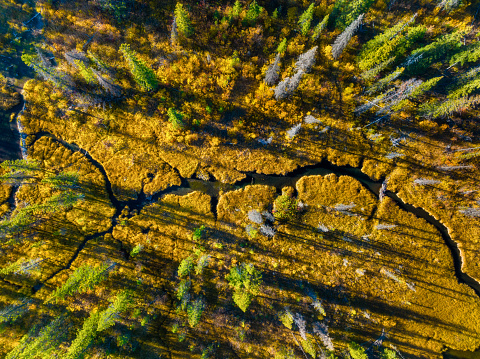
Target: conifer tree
(82,279)
(252,14)
(120,303)
(320,27)
(305,19)
(345,12)
(84,338)
(425,56)
(22,266)
(272,74)
(85,71)
(142,75)
(306,61)
(282,46)
(344,38)
(466,84)
(41,343)
(236,10)
(470,54)
(183,22)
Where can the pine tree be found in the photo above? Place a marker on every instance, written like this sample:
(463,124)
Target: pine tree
(175,118)
(74,55)
(252,14)
(393,42)
(194,312)
(286,87)
(59,79)
(320,27)
(305,19)
(85,337)
(82,279)
(22,266)
(282,46)
(86,72)
(344,38)
(142,75)
(306,61)
(41,343)
(183,21)
(470,54)
(237,9)
(120,303)
(356,351)
(345,12)
(466,84)
(422,58)
(272,74)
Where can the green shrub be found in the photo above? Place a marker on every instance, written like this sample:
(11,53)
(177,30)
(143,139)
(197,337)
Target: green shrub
(246,282)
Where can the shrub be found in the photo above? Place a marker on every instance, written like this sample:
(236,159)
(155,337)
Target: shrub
(284,207)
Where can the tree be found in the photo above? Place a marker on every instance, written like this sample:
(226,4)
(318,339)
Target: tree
(142,75)
(59,79)
(236,10)
(306,61)
(320,27)
(252,14)
(286,87)
(82,279)
(393,42)
(120,303)
(183,21)
(85,337)
(282,46)
(422,58)
(305,19)
(41,343)
(22,266)
(356,351)
(272,74)
(85,71)
(388,354)
(343,39)
(345,12)
(246,282)
(175,118)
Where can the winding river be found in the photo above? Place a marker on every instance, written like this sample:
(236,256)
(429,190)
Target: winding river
(12,147)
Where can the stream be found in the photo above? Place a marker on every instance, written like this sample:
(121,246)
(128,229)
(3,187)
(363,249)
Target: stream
(12,146)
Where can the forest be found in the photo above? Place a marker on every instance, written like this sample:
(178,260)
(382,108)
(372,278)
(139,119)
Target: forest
(240,179)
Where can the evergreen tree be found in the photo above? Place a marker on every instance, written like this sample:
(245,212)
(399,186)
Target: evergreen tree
(356,351)
(82,279)
(22,266)
(252,14)
(388,354)
(470,54)
(305,19)
(84,338)
(272,74)
(282,46)
(246,282)
(41,343)
(183,21)
(59,79)
(393,42)
(306,61)
(142,75)
(422,58)
(369,75)
(74,55)
(85,71)
(344,38)
(466,84)
(286,87)
(120,303)
(236,10)
(449,5)
(320,27)
(345,12)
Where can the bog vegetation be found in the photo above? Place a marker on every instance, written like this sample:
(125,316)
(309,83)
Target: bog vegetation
(103,256)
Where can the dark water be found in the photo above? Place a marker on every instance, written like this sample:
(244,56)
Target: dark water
(9,135)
